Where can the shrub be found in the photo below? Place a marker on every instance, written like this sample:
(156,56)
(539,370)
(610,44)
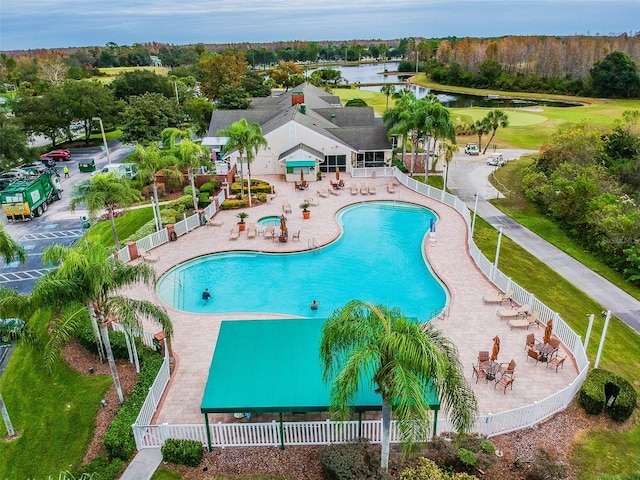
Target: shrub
(204,199)
(425,470)
(467,457)
(210,187)
(396,162)
(488,447)
(182,204)
(592,395)
(118,440)
(168,216)
(87,339)
(233,204)
(187,190)
(351,461)
(257,186)
(182,452)
(100,468)
(145,230)
(543,467)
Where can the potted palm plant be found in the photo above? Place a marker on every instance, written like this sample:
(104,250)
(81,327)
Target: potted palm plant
(242,216)
(305,210)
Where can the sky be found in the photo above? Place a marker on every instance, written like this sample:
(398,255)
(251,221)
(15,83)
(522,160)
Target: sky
(29,24)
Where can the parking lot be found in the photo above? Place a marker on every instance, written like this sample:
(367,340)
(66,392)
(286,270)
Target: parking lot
(58,225)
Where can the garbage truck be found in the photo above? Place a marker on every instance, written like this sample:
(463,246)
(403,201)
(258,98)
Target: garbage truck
(30,197)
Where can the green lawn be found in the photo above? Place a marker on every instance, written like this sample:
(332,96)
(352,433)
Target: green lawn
(53,413)
(125,226)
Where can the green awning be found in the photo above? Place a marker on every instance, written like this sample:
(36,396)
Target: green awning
(274,366)
(301,163)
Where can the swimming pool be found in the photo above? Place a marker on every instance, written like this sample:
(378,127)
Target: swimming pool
(378,259)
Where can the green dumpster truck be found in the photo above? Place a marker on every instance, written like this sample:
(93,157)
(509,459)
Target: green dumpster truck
(30,197)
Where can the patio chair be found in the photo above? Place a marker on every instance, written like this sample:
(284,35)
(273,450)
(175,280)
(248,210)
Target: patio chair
(323,193)
(524,322)
(235,233)
(251,230)
(535,355)
(507,368)
(478,372)
(334,191)
(498,298)
(268,231)
(286,207)
(531,341)
(556,362)
(354,189)
(391,187)
(505,381)
(506,313)
(555,343)
(147,256)
(295,236)
(483,357)
(372,189)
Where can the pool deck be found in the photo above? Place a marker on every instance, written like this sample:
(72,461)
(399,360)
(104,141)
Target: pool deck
(470,324)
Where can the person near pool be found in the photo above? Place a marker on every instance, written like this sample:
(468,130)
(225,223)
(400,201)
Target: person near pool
(206,295)
(314,305)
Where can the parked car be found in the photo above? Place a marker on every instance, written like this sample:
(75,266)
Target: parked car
(471,149)
(7,179)
(57,155)
(34,168)
(495,160)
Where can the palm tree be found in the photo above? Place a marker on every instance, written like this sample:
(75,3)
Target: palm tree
(388,89)
(188,154)
(364,343)
(10,249)
(480,128)
(448,149)
(399,120)
(107,191)
(152,161)
(495,119)
(88,280)
(437,125)
(245,138)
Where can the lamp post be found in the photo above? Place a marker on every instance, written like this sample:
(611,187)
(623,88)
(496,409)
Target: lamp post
(475,209)
(104,138)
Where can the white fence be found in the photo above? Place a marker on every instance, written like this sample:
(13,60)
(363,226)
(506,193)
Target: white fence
(327,432)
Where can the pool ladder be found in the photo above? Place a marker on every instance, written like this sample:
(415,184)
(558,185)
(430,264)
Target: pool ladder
(312,243)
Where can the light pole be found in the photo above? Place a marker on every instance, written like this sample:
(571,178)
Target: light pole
(104,138)
(475,209)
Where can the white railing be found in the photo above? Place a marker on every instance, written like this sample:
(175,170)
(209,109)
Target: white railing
(327,432)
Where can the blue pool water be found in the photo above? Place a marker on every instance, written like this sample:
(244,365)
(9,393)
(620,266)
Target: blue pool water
(273,220)
(378,259)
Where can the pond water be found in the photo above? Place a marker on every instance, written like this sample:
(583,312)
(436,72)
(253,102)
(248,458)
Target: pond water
(374,73)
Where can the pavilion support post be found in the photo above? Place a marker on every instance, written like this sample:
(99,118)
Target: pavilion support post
(359,425)
(281,433)
(435,423)
(206,425)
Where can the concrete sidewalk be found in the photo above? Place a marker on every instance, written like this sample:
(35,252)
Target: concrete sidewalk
(144,465)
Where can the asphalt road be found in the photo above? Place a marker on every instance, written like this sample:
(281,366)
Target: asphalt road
(469,175)
(58,225)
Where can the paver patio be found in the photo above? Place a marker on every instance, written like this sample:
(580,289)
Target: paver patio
(470,324)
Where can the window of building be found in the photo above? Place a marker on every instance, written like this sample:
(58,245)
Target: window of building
(333,163)
(370,159)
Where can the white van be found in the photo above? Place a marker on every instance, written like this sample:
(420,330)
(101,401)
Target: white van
(127,170)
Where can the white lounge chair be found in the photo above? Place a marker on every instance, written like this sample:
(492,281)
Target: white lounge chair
(372,189)
(268,231)
(354,189)
(524,322)
(286,207)
(506,313)
(251,230)
(498,298)
(363,189)
(235,233)
(391,187)
(323,193)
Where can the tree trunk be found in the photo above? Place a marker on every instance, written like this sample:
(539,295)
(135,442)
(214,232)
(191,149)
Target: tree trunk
(112,362)
(192,181)
(156,206)
(241,177)
(96,332)
(386,425)
(113,229)
(489,142)
(413,155)
(426,163)
(249,180)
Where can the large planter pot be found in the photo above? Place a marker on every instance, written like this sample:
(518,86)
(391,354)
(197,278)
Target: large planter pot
(241,226)
(306,215)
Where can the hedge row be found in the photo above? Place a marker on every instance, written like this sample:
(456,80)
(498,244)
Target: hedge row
(182,452)
(119,441)
(592,395)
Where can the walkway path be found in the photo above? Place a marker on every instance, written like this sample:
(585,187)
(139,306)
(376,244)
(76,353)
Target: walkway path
(468,175)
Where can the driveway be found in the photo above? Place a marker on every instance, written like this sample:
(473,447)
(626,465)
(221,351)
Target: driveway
(469,175)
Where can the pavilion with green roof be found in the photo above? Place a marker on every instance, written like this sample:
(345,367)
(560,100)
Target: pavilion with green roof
(262,366)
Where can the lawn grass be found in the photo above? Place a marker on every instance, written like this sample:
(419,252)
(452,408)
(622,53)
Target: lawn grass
(53,412)
(126,226)
(110,73)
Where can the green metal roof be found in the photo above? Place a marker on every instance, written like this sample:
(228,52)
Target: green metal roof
(301,163)
(273,366)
